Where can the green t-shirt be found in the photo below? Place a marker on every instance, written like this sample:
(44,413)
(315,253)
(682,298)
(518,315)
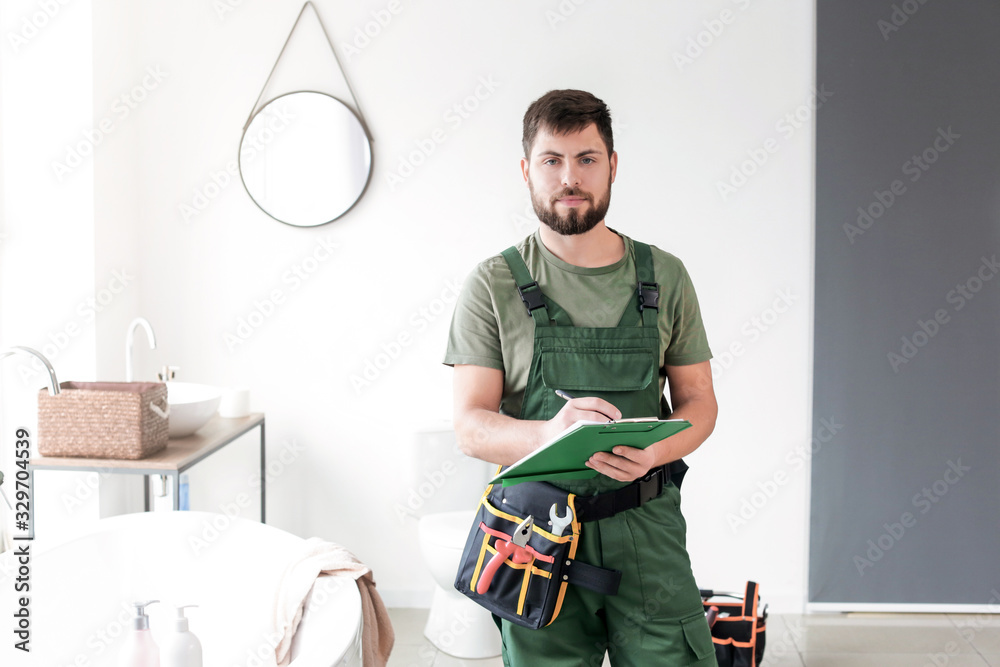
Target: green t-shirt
(491,326)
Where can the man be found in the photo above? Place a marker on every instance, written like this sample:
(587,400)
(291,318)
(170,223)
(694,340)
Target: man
(615,316)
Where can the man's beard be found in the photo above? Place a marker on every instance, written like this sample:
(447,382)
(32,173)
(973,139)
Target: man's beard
(573,223)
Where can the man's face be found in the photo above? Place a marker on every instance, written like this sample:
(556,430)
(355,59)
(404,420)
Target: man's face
(570,177)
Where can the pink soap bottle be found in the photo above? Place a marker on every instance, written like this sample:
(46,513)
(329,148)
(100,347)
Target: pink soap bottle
(140,650)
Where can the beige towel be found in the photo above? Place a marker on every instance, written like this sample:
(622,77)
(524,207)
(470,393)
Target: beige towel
(321,557)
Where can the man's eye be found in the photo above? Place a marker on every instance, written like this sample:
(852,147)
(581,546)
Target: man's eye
(588,160)
(551,160)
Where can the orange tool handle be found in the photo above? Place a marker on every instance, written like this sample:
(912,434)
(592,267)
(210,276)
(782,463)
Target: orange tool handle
(504,549)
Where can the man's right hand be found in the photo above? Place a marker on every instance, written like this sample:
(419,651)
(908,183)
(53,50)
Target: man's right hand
(589,408)
(488,435)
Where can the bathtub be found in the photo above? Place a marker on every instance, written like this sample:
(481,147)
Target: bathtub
(230,567)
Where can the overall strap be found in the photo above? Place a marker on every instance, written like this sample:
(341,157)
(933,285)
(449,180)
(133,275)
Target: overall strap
(648,290)
(531,293)
(541,308)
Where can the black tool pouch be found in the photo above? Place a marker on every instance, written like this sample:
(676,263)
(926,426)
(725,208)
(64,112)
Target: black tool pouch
(528,594)
(740,627)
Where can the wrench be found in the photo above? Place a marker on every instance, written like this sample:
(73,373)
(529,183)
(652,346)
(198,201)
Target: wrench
(515,548)
(559,523)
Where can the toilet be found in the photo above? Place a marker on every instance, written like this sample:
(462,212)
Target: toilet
(450,485)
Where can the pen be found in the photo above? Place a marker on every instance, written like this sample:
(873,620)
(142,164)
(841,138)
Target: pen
(569,397)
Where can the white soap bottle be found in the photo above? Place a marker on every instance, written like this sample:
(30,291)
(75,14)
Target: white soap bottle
(180,647)
(140,650)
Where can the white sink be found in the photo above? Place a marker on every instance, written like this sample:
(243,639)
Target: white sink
(191,406)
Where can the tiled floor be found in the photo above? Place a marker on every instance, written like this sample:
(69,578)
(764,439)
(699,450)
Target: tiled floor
(815,640)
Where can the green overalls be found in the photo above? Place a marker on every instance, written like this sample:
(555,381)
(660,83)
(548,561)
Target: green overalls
(657,616)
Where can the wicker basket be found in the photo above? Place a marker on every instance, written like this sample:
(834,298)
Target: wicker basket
(104,420)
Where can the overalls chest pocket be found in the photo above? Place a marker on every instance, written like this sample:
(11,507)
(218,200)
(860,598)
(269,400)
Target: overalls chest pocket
(621,376)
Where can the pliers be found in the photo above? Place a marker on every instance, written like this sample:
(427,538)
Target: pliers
(515,548)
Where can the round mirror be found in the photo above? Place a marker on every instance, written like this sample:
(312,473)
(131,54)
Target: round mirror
(305,159)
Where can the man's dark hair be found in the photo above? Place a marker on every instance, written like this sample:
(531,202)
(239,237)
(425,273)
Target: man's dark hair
(564,111)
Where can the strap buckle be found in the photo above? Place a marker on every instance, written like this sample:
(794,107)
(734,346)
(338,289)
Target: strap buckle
(650,486)
(533,299)
(649,296)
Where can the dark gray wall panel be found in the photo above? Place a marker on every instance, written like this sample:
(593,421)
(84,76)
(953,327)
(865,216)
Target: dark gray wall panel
(905,428)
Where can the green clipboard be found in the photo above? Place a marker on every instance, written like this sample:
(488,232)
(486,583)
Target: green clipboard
(565,456)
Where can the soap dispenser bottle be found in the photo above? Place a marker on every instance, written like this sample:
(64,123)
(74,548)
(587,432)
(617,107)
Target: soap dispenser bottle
(181,648)
(140,650)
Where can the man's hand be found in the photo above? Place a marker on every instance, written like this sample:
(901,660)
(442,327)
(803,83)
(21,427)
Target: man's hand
(694,399)
(488,435)
(624,464)
(588,408)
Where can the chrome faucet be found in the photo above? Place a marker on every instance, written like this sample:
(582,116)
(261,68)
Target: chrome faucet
(130,339)
(19,349)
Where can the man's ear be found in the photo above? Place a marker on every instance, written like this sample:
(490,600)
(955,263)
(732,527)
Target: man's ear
(524,168)
(614,165)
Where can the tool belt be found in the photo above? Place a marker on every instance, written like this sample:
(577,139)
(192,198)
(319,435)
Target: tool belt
(526,583)
(642,490)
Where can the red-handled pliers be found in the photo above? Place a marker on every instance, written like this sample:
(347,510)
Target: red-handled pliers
(515,548)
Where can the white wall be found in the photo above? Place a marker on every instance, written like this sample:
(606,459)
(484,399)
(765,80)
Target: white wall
(681,128)
(48,299)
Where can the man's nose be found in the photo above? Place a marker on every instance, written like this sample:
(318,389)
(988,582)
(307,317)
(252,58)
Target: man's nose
(570,176)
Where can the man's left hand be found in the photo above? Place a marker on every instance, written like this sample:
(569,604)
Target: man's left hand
(625,464)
